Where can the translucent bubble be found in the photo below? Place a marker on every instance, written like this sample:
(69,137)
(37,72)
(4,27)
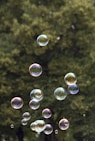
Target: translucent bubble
(36,94)
(46,113)
(70,78)
(26,116)
(12,125)
(73,89)
(60,93)
(42,40)
(56,131)
(35,70)
(24,122)
(17,102)
(34,104)
(48,129)
(38,126)
(63,124)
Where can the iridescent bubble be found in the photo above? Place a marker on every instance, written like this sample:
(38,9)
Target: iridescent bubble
(46,113)
(26,116)
(35,70)
(73,89)
(42,40)
(38,126)
(17,102)
(60,93)
(24,122)
(70,78)
(36,94)
(63,124)
(48,129)
(34,104)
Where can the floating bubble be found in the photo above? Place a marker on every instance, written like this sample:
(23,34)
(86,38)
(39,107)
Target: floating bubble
(12,125)
(70,78)
(36,94)
(46,113)
(73,89)
(63,124)
(17,102)
(24,122)
(60,93)
(42,40)
(38,126)
(56,131)
(35,70)
(26,116)
(34,104)
(48,129)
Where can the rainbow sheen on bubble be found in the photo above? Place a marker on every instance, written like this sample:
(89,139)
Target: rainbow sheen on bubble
(26,116)
(36,94)
(60,93)
(42,40)
(70,78)
(34,104)
(63,124)
(73,89)
(48,129)
(46,113)
(17,102)
(35,70)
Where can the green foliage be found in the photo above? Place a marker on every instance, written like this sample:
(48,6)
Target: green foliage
(70,27)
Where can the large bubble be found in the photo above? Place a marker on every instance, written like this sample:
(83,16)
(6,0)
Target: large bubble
(34,104)
(73,89)
(70,78)
(38,126)
(26,116)
(42,40)
(48,129)
(36,94)
(17,102)
(35,70)
(63,124)
(60,93)
(46,113)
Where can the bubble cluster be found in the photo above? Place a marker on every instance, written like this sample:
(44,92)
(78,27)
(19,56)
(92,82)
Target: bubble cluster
(46,113)
(42,40)
(73,89)
(38,126)
(17,102)
(60,93)
(35,70)
(70,78)
(36,94)
(63,124)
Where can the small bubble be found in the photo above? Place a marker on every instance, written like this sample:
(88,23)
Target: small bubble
(70,78)
(24,122)
(17,102)
(35,70)
(73,89)
(26,116)
(48,129)
(46,113)
(42,40)
(60,93)
(34,104)
(36,94)
(63,124)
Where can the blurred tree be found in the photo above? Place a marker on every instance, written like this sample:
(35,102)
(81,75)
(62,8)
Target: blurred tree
(70,27)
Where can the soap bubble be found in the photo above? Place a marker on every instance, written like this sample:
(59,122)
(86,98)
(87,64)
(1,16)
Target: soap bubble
(63,124)
(73,89)
(35,70)
(24,122)
(36,94)
(38,126)
(34,104)
(26,116)
(46,113)
(12,126)
(70,78)
(60,93)
(56,131)
(17,102)
(48,129)
(42,40)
